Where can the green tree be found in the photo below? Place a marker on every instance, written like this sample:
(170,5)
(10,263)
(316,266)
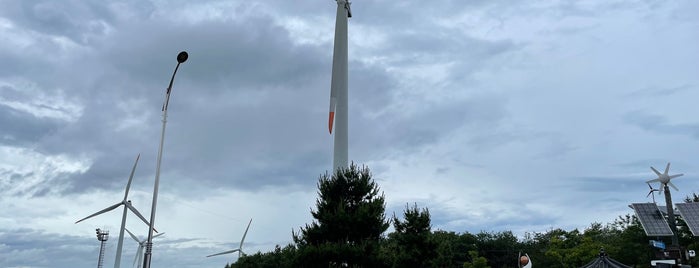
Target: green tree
(499,248)
(414,246)
(476,261)
(349,222)
(278,258)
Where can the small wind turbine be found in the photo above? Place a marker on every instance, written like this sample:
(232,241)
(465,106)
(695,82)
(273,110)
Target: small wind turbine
(240,247)
(127,205)
(650,193)
(664,178)
(141,244)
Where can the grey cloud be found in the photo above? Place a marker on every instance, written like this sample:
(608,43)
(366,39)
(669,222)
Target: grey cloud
(35,248)
(476,117)
(658,124)
(603,185)
(231,65)
(80,21)
(23,129)
(652,92)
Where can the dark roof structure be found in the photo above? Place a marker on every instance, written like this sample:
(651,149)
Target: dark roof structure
(604,261)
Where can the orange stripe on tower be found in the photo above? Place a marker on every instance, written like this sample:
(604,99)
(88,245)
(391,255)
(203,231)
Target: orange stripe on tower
(330,122)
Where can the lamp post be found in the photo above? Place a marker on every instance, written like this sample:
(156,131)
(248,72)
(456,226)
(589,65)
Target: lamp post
(182,57)
(102,236)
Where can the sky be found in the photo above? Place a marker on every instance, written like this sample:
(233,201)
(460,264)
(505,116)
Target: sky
(494,115)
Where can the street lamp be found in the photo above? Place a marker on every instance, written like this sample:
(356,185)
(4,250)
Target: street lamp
(182,57)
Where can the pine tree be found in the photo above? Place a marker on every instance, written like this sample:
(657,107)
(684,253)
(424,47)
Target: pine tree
(349,221)
(413,238)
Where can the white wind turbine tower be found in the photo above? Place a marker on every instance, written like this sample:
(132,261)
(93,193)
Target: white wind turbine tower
(141,244)
(664,180)
(240,247)
(127,206)
(338,87)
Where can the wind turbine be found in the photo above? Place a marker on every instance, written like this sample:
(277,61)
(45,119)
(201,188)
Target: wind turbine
(240,247)
(650,193)
(141,244)
(664,178)
(127,205)
(338,88)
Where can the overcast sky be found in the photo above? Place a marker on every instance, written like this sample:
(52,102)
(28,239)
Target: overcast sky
(495,115)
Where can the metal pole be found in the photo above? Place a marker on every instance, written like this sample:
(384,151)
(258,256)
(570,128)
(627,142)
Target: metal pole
(671,216)
(182,57)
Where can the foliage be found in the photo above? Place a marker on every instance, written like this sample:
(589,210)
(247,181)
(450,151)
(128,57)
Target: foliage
(412,240)
(476,261)
(280,257)
(349,222)
(349,225)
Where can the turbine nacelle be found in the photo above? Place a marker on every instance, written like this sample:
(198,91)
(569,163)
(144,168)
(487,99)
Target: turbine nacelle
(664,178)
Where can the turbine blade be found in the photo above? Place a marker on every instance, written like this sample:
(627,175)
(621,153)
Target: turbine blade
(653,180)
(331,116)
(225,252)
(244,234)
(656,171)
(128,185)
(667,168)
(101,211)
(132,235)
(673,186)
(138,214)
(158,235)
(675,176)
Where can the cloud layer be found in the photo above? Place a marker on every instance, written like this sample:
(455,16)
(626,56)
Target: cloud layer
(494,115)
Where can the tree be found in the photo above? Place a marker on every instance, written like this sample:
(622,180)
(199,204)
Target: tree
(279,258)
(476,261)
(413,240)
(349,222)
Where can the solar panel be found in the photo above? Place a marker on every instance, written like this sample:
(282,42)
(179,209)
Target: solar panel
(653,222)
(690,214)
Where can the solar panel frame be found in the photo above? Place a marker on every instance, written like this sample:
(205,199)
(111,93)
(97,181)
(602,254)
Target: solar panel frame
(690,215)
(652,221)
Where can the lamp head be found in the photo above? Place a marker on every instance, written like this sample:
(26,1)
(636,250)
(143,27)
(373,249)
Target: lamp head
(182,57)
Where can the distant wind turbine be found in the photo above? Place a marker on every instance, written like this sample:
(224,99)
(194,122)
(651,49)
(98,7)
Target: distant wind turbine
(650,193)
(141,244)
(664,178)
(127,205)
(240,247)
(338,88)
